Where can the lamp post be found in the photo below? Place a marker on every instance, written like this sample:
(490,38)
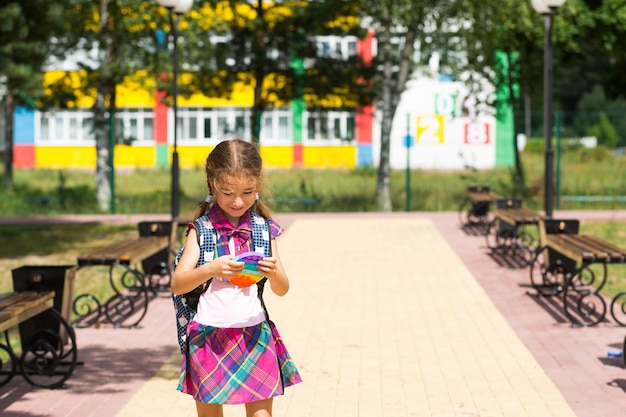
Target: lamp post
(548,9)
(174,9)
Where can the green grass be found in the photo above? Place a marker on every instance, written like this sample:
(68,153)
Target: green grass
(48,192)
(56,245)
(582,173)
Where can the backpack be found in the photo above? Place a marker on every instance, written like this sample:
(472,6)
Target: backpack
(185,305)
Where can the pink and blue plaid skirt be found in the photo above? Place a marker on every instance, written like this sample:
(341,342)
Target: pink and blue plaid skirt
(236,365)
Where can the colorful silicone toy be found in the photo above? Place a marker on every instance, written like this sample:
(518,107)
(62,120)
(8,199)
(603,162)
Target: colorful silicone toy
(250,274)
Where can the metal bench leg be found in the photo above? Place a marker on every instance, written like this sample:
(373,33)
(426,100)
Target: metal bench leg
(547,278)
(8,366)
(130,300)
(46,362)
(582,302)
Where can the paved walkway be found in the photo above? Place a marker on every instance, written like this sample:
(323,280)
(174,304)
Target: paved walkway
(404,314)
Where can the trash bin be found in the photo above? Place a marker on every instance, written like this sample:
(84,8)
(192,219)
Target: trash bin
(59,279)
(156,264)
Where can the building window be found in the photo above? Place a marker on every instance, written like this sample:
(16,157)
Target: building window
(240,125)
(58,128)
(350,125)
(87,129)
(193,128)
(207,127)
(330,125)
(323,133)
(283,127)
(222,126)
(132,131)
(268,127)
(311,128)
(337,128)
(148,129)
(44,129)
(352,48)
(73,128)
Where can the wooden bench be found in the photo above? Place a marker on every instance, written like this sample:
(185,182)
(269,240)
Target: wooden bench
(474,211)
(43,359)
(129,302)
(562,267)
(124,252)
(508,232)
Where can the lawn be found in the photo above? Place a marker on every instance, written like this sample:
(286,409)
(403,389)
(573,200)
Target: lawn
(583,173)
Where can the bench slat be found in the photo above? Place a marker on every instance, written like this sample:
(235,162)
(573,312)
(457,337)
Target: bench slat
(482,197)
(518,216)
(569,248)
(613,250)
(125,251)
(598,251)
(17,307)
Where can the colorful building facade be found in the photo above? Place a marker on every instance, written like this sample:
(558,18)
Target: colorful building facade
(436,127)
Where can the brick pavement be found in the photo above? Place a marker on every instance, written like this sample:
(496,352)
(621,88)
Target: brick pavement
(403,315)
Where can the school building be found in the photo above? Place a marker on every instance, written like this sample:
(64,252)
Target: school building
(437,126)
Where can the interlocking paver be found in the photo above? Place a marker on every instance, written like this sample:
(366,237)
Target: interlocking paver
(391,322)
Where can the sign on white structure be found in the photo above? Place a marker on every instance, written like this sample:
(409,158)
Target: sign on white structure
(430,130)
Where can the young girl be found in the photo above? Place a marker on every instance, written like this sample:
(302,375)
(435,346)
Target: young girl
(235,354)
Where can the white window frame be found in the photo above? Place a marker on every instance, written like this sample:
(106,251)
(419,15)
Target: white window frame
(281,133)
(332,118)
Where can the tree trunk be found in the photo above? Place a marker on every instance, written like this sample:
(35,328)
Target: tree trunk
(101,133)
(383,186)
(393,84)
(101,129)
(259,50)
(257,109)
(519,170)
(9,110)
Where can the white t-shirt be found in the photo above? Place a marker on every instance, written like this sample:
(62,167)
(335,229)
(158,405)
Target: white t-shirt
(225,305)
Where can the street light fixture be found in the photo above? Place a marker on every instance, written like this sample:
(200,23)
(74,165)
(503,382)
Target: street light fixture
(548,9)
(175,8)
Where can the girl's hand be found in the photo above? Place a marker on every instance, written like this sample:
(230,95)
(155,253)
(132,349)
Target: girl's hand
(225,267)
(268,267)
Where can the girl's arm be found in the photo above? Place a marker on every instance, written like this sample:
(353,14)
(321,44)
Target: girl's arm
(188,275)
(273,269)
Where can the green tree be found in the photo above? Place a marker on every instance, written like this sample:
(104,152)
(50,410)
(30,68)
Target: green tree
(26,30)
(272,47)
(604,131)
(399,26)
(119,31)
(495,42)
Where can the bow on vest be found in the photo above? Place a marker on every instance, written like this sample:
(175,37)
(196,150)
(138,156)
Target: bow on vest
(243,233)
(225,231)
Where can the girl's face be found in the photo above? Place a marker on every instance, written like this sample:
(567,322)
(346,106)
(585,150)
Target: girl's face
(235,196)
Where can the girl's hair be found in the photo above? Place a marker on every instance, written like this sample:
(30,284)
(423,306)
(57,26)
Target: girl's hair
(233,158)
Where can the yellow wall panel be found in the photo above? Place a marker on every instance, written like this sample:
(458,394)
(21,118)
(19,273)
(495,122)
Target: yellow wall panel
(192,156)
(277,156)
(135,156)
(329,156)
(76,157)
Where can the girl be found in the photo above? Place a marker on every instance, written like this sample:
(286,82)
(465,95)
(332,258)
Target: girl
(235,354)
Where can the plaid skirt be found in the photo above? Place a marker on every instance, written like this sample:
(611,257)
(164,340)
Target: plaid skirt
(236,365)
